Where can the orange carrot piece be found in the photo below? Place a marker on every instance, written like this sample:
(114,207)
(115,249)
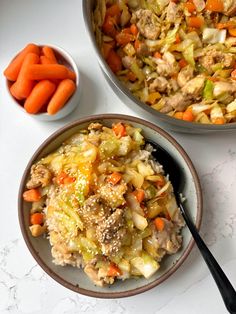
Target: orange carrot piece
(114,178)
(114,61)
(183,63)
(23,86)
(106,48)
(157,55)
(188,115)
(71,75)
(179,115)
(49,53)
(190,6)
(123,38)
(47,72)
(39,96)
(215,5)
(233,74)
(113,270)
(63,92)
(64,178)
(36,219)
(177,39)
(13,69)
(219,121)
(160,182)
(131,76)
(139,195)
(227,25)
(134,29)
(108,26)
(32,195)
(137,44)
(113,10)
(195,21)
(159,223)
(46,60)
(119,129)
(232,31)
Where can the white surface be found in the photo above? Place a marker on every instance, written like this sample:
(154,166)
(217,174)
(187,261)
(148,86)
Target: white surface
(24,287)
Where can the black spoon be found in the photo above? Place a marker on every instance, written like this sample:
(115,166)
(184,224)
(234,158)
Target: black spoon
(172,168)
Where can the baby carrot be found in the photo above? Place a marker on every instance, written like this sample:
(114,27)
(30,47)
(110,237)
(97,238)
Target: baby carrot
(23,87)
(48,52)
(13,69)
(63,92)
(47,72)
(46,60)
(39,96)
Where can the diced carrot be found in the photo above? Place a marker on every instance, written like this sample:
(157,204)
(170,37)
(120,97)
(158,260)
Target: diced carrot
(39,96)
(177,39)
(23,87)
(213,78)
(106,48)
(159,223)
(119,129)
(13,69)
(214,5)
(153,97)
(114,61)
(160,182)
(32,195)
(47,72)
(195,21)
(49,53)
(36,219)
(114,270)
(131,76)
(134,29)
(137,44)
(233,74)
(157,55)
(188,115)
(227,25)
(179,115)
(64,91)
(123,38)
(114,178)
(232,31)
(190,6)
(113,10)
(108,26)
(64,178)
(183,63)
(219,121)
(139,195)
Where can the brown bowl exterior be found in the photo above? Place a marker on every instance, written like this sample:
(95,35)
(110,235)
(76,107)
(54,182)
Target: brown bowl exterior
(141,108)
(74,279)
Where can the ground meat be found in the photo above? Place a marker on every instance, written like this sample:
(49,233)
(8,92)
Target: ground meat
(95,126)
(143,50)
(194,87)
(177,101)
(112,195)
(127,61)
(230,7)
(147,23)
(172,12)
(160,84)
(185,75)
(214,56)
(40,176)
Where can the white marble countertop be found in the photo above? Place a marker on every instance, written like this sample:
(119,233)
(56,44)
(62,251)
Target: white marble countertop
(24,287)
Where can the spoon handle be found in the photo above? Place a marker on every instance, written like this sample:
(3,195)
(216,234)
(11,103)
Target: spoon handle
(226,289)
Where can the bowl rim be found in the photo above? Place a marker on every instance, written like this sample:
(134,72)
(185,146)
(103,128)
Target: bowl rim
(76,288)
(181,124)
(66,55)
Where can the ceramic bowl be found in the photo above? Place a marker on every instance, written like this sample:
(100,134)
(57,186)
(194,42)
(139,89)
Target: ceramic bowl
(64,58)
(135,104)
(75,279)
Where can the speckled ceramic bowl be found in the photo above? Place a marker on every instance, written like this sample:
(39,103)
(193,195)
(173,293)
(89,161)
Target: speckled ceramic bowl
(75,279)
(64,58)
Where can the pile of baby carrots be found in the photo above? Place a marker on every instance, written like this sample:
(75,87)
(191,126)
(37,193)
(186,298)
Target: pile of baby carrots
(39,81)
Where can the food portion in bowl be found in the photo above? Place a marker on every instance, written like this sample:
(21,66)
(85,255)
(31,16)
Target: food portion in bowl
(176,56)
(40,81)
(105,204)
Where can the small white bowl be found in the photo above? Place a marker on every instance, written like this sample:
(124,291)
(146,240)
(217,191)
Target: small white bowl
(64,58)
